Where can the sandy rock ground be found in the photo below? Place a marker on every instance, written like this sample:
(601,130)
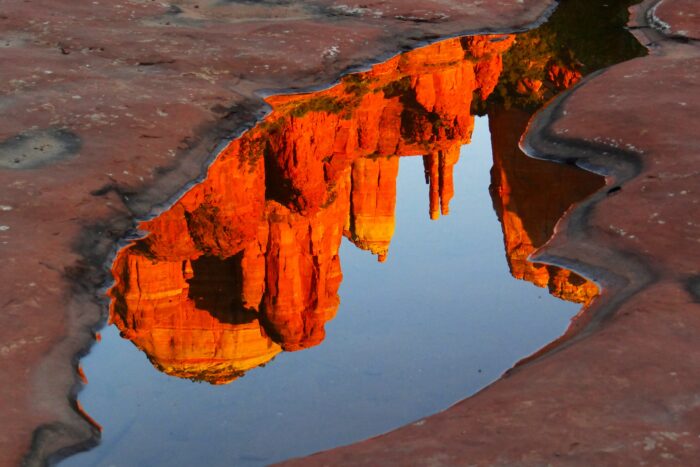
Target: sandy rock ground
(111,108)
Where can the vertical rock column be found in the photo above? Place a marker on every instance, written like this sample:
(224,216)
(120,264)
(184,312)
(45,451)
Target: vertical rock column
(373,204)
(439,167)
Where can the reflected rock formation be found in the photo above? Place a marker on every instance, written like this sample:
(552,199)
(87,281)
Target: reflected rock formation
(182,320)
(245,265)
(373,201)
(528,213)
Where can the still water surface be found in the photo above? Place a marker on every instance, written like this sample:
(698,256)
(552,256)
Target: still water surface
(255,323)
(437,321)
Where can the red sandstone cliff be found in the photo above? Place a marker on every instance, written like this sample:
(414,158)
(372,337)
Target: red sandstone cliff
(165,316)
(438,175)
(373,201)
(417,103)
(246,264)
(265,226)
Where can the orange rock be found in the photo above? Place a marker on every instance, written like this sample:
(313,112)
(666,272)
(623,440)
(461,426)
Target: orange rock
(488,45)
(431,165)
(253,269)
(528,215)
(373,202)
(303,272)
(438,174)
(448,159)
(218,216)
(419,101)
(562,77)
(529,86)
(246,263)
(186,331)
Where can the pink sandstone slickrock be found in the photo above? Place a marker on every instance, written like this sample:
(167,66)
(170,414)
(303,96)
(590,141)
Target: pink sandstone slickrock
(679,18)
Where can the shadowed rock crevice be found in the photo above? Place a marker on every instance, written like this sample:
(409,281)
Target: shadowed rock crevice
(216,286)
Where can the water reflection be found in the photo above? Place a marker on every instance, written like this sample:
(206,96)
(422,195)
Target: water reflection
(528,212)
(246,264)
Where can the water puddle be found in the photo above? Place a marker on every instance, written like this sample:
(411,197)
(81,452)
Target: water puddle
(235,335)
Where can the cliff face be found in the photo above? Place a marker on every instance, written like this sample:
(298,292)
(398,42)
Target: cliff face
(537,68)
(303,271)
(373,202)
(246,263)
(528,212)
(413,104)
(219,216)
(439,167)
(185,327)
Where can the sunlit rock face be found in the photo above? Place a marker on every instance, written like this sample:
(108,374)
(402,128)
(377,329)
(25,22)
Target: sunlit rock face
(187,327)
(413,104)
(373,201)
(246,264)
(528,212)
(303,271)
(219,216)
(439,167)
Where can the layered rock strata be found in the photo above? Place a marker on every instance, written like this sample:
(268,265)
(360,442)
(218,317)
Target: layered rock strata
(276,204)
(246,263)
